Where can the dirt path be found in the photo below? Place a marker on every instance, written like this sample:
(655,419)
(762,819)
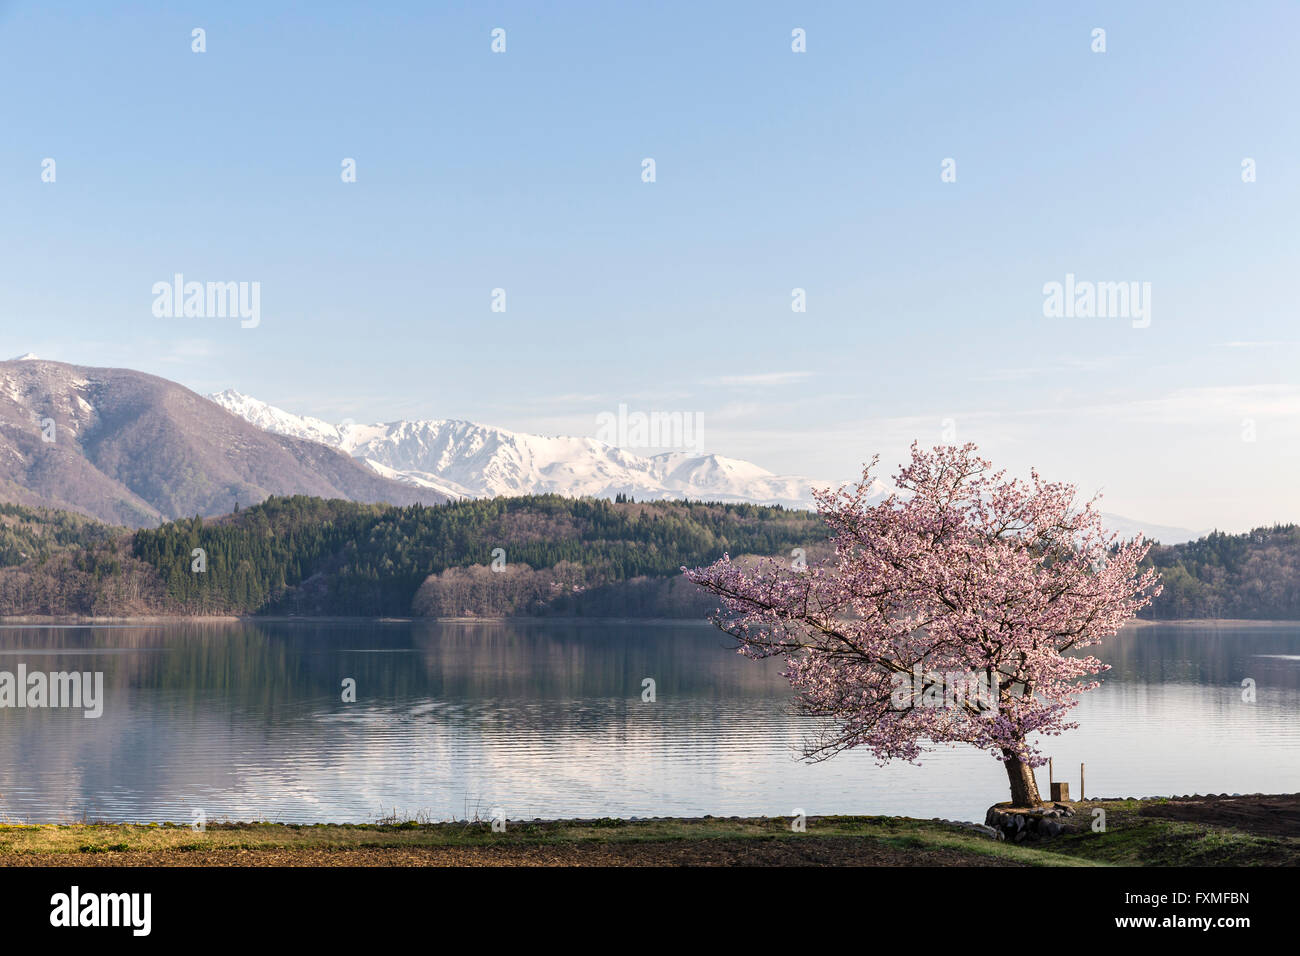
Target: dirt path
(1274,815)
(805,851)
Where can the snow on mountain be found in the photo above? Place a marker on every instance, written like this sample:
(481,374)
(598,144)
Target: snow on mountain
(271,419)
(133,449)
(1127,528)
(465,459)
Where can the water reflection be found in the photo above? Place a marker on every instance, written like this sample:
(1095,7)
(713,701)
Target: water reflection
(546,719)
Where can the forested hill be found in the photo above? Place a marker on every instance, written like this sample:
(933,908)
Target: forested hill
(557,555)
(1254,576)
(302,555)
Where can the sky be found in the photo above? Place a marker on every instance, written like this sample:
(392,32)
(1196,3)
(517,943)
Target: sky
(775,170)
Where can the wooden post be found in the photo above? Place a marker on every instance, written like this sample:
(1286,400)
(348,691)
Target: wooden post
(1081,790)
(1049,773)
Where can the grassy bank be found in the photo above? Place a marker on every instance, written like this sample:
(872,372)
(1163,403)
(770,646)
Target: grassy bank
(1248,831)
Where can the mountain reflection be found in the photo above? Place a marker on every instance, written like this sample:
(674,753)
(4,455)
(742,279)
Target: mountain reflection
(546,718)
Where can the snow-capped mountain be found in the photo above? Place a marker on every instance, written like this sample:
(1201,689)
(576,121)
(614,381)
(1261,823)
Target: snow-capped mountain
(134,449)
(465,459)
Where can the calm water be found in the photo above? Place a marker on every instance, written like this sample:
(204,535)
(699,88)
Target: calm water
(546,720)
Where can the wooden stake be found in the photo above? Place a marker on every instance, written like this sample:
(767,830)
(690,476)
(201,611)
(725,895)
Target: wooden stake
(1049,774)
(1081,790)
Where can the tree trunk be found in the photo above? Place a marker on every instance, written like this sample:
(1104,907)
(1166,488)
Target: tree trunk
(1024,788)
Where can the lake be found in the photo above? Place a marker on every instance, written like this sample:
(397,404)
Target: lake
(546,719)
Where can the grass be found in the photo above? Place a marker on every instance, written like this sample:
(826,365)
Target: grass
(1134,839)
(1130,839)
(899,835)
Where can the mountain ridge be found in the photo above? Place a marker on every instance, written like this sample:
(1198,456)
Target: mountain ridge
(467,459)
(134,449)
(394,449)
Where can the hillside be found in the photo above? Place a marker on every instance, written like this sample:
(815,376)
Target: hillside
(309,556)
(134,449)
(1252,576)
(582,556)
(56,563)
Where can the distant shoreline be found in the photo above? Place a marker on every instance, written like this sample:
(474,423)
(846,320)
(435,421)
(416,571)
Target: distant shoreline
(1212,622)
(83,621)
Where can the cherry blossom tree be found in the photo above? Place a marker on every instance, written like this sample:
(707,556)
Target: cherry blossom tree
(960,574)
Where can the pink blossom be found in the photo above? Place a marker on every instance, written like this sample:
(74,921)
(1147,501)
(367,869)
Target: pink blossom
(965,570)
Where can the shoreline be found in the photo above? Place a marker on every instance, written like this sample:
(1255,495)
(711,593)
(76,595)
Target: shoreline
(1222,831)
(66,620)
(1211,622)
(37,620)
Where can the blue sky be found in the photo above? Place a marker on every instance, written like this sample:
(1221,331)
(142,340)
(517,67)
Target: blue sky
(775,170)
